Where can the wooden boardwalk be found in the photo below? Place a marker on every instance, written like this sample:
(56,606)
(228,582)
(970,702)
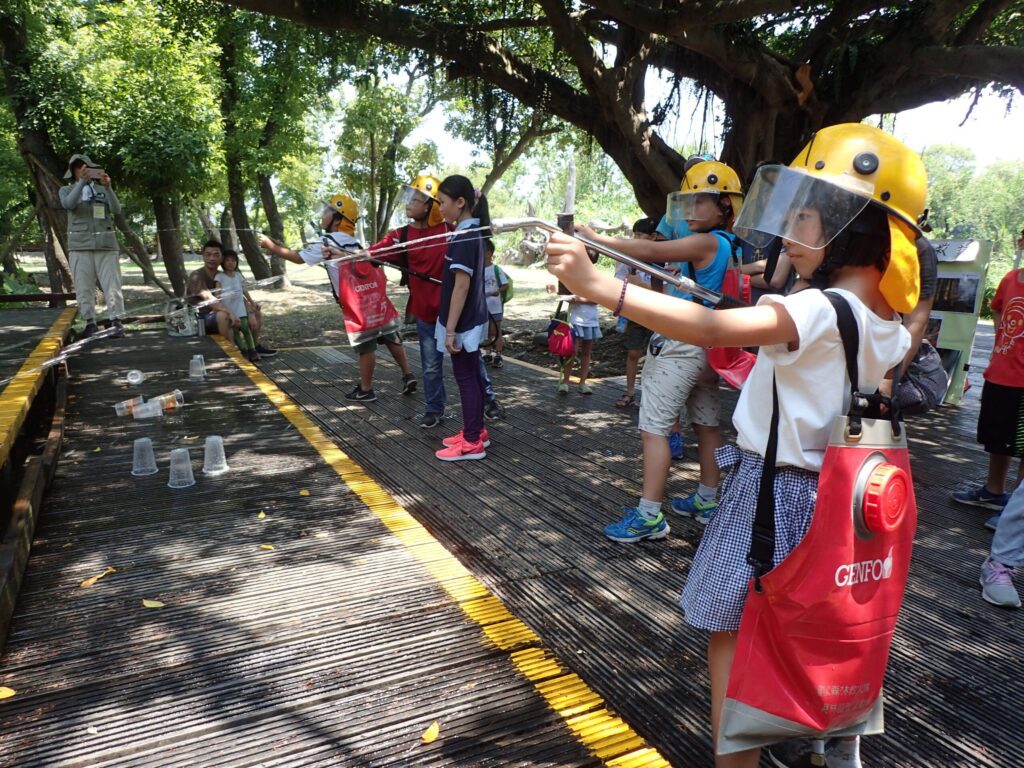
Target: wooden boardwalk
(528,520)
(343,643)
(306,619)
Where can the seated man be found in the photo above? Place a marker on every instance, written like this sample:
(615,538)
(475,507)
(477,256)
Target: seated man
(199,288)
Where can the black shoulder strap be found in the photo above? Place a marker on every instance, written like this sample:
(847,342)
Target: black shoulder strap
(403,234)
(762,536)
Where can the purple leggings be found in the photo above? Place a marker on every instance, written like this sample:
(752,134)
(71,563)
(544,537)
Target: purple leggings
(466,366)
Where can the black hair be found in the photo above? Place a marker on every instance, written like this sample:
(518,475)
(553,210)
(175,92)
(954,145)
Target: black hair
(864,242)
(459,186)
(229,253)
(489,245)
(213,244)
(645,226)
(76,165)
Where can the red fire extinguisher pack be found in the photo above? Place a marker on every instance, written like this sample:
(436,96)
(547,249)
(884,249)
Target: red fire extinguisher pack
(816,630)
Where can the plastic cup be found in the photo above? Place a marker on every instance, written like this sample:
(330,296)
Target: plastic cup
(143,460)
(135,376)
(196,369)
(214,461)
(127,407)
(170,400)
(150,410)
(181,469)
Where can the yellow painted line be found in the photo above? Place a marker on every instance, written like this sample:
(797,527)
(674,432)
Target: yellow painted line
(582,710)
(16,399)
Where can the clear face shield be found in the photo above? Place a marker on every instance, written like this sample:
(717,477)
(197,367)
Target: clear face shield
(788,203)
(691,206)
(413,195)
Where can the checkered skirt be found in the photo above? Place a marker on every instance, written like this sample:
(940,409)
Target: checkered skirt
(716,587)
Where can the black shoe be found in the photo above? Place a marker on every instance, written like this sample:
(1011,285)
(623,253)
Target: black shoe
(408,384)
(360,395)
(494,410)
(265,351)
(430,420)
(91,329)
(118,330)
(251,355)
(498,362)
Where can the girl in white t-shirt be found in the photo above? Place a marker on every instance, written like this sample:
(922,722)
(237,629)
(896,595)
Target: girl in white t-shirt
(234,296)
(847,210)
(585,326)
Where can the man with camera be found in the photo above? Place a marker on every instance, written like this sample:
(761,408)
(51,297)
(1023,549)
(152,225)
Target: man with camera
(92,245)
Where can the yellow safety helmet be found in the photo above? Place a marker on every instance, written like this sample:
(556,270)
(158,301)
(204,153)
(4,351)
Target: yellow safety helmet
(842,170)
(426,185)
(344,206)
(706,177)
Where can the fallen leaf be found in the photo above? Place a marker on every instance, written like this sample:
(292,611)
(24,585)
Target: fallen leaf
(303,492)
(69,544)
(93,579)
(261,515)
(191,437)
(152,604)
(321,534)
(266,546)
(431,733)
(5,692)
(97,449)
(92,730)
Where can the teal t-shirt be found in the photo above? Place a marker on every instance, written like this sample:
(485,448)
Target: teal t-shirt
(710,276)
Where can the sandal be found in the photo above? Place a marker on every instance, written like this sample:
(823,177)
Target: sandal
(625,401)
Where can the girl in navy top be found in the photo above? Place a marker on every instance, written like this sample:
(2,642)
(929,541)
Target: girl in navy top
(462,320)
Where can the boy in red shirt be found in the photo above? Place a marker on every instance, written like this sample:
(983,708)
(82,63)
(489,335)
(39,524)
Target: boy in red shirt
(1001,421)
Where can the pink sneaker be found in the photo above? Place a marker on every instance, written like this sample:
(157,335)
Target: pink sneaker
(463,451)
(448,442)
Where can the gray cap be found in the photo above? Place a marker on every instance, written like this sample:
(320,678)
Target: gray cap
(84,158)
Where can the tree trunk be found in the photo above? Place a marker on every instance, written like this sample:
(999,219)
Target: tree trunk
(232,158)
(170,242)
(227,239)
(138,253)
(59,282)
(204,217)
(276,225)
(7,261)
(34,143)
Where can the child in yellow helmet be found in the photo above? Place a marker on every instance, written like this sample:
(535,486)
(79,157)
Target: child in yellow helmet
(847,210)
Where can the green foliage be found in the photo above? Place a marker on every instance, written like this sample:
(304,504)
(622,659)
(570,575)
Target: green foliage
(145,105)
(20,282)
(15,186)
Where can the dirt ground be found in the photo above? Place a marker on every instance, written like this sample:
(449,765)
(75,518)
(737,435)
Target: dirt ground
(305,314)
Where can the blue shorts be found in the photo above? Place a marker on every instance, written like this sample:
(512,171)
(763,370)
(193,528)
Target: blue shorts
(588,332)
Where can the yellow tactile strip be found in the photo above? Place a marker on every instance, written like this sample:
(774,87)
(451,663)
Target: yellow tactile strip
(16,398)
(584,712)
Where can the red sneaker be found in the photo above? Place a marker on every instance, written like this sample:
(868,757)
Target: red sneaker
(485,438)
(463,452)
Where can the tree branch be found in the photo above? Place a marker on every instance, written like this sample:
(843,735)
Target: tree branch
(979,23)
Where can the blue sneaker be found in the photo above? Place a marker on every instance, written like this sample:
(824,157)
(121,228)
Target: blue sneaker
(992,523)
(695,507)
(634,527)
(982,497)
(675,444)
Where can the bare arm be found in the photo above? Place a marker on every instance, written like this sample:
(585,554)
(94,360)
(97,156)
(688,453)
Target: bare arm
(672,317)
(459,293)
(698,248)
(280,251)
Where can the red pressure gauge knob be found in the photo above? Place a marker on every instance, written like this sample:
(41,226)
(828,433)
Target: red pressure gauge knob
(885,498)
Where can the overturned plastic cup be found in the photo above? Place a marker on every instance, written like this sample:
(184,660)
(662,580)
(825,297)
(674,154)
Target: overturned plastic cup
(127,407)
(181,469)
(150,410)
(170,400)
(135,376)
(143,460)
(196,369)
(214,461)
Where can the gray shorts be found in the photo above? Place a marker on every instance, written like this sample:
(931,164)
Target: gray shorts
(678,376)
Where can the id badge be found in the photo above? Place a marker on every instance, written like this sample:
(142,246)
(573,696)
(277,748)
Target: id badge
(99,211)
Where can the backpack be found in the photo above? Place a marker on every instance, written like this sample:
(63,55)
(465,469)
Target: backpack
(498,274)
(561,337)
